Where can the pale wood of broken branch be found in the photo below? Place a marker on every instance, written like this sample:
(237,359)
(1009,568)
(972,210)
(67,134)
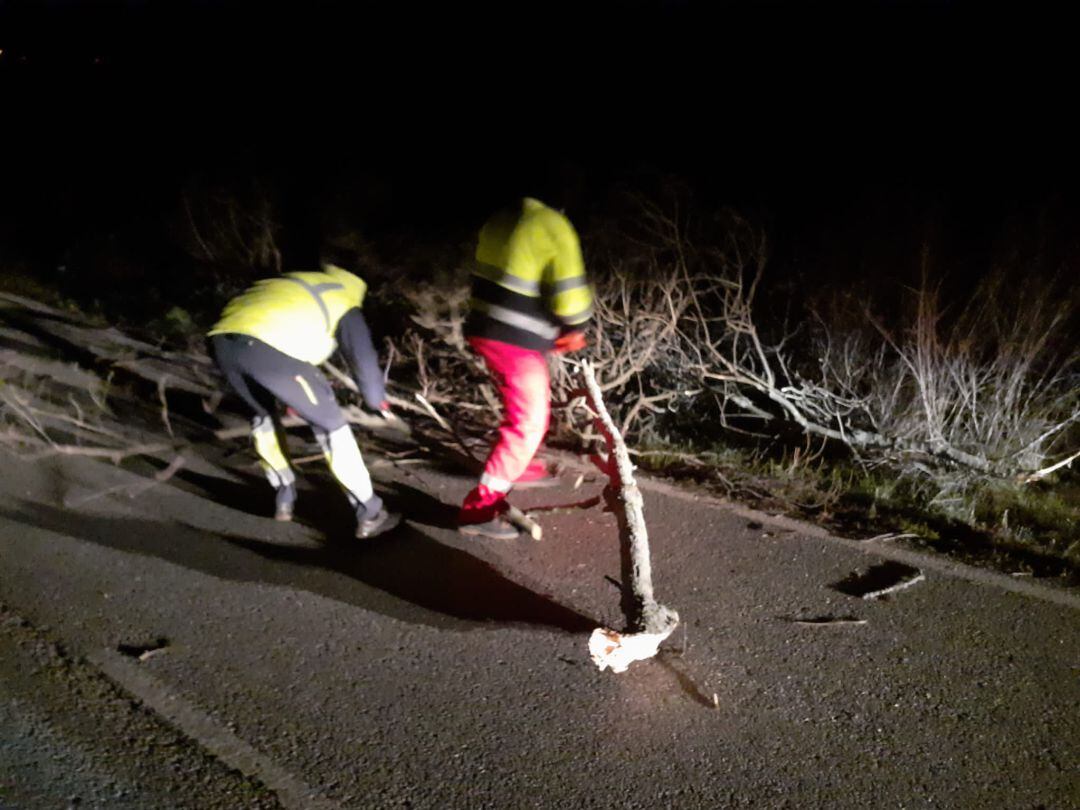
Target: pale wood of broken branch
(643,613)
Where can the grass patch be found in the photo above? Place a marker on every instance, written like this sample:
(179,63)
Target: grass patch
(1021,529)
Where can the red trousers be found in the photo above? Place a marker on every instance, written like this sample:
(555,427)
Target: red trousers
(525,387)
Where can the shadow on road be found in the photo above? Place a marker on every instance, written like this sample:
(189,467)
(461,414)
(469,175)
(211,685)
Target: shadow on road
(320,503)
(322,506)
(404,574)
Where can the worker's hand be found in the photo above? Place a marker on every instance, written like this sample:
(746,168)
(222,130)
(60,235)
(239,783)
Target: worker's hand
(381,407)
(391,419)
(570,342)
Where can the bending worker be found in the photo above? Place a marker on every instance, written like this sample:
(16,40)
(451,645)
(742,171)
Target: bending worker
(530,296)
(268,343)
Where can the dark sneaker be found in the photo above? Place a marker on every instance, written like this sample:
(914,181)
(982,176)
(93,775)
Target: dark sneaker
(382,521)
(496,529)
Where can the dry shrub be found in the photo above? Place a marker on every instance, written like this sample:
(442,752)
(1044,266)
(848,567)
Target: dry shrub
(230,227)
(989,392)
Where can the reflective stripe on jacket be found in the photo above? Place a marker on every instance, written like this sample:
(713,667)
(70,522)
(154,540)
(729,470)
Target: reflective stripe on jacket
(297,313)
(529,285)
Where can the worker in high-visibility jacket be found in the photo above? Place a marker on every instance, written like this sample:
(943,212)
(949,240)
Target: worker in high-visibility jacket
(268,344)
(530,296)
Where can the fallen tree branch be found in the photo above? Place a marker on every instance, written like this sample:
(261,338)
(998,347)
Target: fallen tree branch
(353,415)
(387,419)
(648,622)
(133,490)
(1045,471)
(113,454)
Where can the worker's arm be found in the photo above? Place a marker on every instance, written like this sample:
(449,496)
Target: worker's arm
(571,297)
(354,340)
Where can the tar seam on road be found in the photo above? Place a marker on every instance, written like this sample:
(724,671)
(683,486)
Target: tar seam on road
(292,792)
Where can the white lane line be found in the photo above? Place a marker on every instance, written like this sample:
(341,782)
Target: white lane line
(292,792)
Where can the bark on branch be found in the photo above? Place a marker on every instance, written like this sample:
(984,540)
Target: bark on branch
(643,613)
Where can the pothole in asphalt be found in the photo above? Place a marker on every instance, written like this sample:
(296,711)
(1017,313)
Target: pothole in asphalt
(145,649)
(879,580)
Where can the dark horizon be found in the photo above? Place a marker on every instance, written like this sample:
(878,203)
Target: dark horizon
(809,117)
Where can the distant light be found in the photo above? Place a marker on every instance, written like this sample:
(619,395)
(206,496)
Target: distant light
(1,51)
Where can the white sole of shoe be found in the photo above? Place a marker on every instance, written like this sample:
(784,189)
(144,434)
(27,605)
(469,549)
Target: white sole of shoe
(391,521)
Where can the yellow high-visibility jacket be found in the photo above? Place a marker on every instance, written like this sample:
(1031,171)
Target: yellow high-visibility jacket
(297,313)
(529,285)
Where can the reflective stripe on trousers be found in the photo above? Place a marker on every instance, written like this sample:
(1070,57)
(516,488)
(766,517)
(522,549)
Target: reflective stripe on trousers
(272,458)
(343,456)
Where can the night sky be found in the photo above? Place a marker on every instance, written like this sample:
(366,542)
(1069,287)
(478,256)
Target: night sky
(862,119)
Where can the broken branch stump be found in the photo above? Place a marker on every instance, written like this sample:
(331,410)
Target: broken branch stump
(648,622)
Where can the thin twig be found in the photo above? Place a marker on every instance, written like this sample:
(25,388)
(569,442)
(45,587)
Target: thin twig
(1045,471)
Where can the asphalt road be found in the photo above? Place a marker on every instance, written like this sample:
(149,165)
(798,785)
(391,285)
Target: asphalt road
(69,737)
(290,662)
